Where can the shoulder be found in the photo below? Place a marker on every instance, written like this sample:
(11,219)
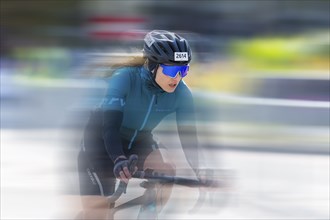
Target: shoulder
(125,72)
(124,75)
(184,96)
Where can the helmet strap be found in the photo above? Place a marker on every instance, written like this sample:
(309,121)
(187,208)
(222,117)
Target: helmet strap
(154,72)
(150,65)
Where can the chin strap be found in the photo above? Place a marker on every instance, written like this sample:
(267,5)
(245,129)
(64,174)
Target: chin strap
(152,67)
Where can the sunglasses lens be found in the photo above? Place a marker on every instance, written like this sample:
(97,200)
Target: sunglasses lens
(172,71)
(185,72)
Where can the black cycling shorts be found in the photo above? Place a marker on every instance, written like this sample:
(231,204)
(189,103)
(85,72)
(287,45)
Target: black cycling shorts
(96,173)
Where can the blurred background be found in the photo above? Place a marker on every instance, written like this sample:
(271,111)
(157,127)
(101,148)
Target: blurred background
(259,75)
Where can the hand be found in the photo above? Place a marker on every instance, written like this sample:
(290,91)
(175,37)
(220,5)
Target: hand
(124,168)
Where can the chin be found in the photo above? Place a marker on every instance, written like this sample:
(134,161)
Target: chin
(170,90)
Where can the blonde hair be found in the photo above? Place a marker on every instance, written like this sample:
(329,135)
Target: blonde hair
(132,61)
(103,65)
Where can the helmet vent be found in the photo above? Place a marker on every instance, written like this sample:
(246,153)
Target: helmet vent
(164,45)
(163,49)
(168,36)
(185,47)
(178,42)
(172,48)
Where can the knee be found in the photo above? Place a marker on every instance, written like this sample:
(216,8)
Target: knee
(94,202)
(168,168)
(160,162)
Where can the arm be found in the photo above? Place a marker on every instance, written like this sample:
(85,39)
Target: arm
(112,120)
(112,113)
(187,131)
(112,117)
(123,167)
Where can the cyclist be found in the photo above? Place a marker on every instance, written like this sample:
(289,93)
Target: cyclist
(140,94)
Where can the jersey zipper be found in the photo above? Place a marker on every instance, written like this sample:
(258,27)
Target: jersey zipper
(144,121)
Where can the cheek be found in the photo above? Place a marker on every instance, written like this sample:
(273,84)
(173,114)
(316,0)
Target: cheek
(160,78)
(157,78)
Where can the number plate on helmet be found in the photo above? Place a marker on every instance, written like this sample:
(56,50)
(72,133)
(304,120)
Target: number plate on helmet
(180,56)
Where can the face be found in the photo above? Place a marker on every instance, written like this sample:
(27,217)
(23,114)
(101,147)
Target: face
(167,83)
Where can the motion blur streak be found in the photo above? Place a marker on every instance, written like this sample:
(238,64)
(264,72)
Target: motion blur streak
(259,75)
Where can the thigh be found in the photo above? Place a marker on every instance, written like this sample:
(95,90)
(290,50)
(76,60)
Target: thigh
(153,155)
(142,149)
(160,161)
(94,207)
(95,179)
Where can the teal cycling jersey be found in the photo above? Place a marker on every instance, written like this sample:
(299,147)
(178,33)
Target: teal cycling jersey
(132,107)
(144,104)
(123,122)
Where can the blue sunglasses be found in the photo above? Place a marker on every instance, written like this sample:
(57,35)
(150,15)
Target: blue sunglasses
(172,71)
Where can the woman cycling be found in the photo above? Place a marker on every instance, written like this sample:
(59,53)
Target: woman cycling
(140,94)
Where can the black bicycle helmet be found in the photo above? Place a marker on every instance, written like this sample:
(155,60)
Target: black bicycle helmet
(162,46)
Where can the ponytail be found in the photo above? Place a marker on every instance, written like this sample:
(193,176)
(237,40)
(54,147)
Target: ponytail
(104,65)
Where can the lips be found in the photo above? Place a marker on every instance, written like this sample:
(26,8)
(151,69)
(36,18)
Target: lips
(172,85)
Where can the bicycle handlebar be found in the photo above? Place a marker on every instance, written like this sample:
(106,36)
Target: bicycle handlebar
(150,174)
(163,178)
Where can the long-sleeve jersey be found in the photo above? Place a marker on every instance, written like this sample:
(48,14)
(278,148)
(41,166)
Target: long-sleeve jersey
(134,105)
